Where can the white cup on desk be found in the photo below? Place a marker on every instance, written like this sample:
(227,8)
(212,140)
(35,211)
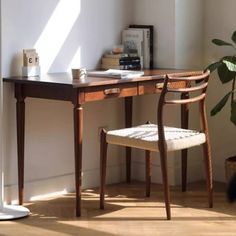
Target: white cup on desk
(78,73)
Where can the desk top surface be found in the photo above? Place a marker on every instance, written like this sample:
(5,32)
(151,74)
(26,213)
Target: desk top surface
(65,79)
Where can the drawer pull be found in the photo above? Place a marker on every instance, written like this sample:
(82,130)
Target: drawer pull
(112,91)
(159,85)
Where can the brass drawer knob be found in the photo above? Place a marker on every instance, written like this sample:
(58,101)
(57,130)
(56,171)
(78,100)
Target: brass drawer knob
(112,91)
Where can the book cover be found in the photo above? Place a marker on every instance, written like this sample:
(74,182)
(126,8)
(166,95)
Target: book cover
(132,39)
(151,28)
(146,48)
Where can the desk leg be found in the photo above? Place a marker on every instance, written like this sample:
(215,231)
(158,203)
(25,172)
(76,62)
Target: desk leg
(20,117)
(184,152)
(128,123)
(78,137)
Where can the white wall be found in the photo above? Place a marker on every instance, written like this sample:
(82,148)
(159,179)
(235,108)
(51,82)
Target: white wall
(189,21)
(219,23)
(161,14)
(65,33)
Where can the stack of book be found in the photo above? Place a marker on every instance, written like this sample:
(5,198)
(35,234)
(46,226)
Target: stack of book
(140,38)
(120,61)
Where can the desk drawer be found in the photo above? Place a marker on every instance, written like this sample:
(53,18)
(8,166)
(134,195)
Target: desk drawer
(149,87)
(114,91)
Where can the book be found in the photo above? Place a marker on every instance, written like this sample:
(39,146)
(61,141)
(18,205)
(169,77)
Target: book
(108,66)
(146,48)
(119,74)
(120,61)
(151,28)
(132,39)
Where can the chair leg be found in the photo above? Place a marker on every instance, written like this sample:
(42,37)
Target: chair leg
(184,154)
(103,163)
(208,167)
(163,157)
(148,172)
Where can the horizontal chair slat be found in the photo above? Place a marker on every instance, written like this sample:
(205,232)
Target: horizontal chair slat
(184,101)
(190,89)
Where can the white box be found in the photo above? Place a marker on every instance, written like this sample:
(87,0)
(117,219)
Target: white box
(28,71)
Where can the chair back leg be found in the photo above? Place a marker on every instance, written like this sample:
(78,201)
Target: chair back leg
(148,172)
(103,163)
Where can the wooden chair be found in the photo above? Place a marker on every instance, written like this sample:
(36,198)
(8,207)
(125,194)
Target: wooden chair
(162,139)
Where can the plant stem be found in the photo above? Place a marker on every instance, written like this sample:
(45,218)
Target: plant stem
(233,88)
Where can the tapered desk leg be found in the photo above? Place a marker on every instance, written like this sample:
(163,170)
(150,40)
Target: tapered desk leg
(78,137)
(20,118)
(128,123)
(184,152)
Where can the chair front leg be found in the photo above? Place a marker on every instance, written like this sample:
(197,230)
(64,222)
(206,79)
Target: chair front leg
(103,163)
(163,157)
(208,168)
(148,172)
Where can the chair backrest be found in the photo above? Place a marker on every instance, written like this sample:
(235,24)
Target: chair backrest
(191,86)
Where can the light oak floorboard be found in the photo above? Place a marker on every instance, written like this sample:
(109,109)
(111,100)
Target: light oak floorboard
(128,212)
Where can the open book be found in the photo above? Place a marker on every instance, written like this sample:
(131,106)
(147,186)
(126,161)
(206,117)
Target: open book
(119,74)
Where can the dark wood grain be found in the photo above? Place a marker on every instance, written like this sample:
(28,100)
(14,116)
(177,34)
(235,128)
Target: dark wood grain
(20,117)
(61,86)
(78,138)
(128,123)
(184,101)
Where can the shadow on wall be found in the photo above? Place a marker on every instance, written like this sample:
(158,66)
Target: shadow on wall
(65,34)
(51,30)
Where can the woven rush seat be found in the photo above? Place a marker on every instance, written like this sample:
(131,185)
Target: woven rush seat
(146,137)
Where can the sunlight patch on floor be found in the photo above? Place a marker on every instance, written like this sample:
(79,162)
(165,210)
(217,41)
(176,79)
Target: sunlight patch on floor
(48,196)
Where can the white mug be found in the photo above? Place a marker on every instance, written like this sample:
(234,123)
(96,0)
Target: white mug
(79,73)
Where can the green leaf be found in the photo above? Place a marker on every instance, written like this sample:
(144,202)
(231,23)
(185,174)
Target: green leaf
(233,112)
(234,37)
(213,66)
(230,62)
(224,73)
(220,105)
(220,42)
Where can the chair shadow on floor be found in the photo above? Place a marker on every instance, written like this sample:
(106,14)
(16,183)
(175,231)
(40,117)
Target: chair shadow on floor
(126,208)
(126,201)
(129,201)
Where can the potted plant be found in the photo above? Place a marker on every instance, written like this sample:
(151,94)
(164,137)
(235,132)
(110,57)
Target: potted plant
(226,69)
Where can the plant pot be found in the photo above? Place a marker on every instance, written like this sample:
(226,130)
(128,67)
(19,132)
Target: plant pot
(230,167)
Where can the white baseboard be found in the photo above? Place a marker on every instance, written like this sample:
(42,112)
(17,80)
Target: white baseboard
(57,185)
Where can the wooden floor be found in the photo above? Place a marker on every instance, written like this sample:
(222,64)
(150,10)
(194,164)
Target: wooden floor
(127,212)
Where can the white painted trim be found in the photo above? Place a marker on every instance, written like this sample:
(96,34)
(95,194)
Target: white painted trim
(57,185)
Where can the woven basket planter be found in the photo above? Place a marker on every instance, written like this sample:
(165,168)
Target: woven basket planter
(230,167)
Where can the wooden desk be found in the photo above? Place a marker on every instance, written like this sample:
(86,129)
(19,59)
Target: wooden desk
(60,86)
